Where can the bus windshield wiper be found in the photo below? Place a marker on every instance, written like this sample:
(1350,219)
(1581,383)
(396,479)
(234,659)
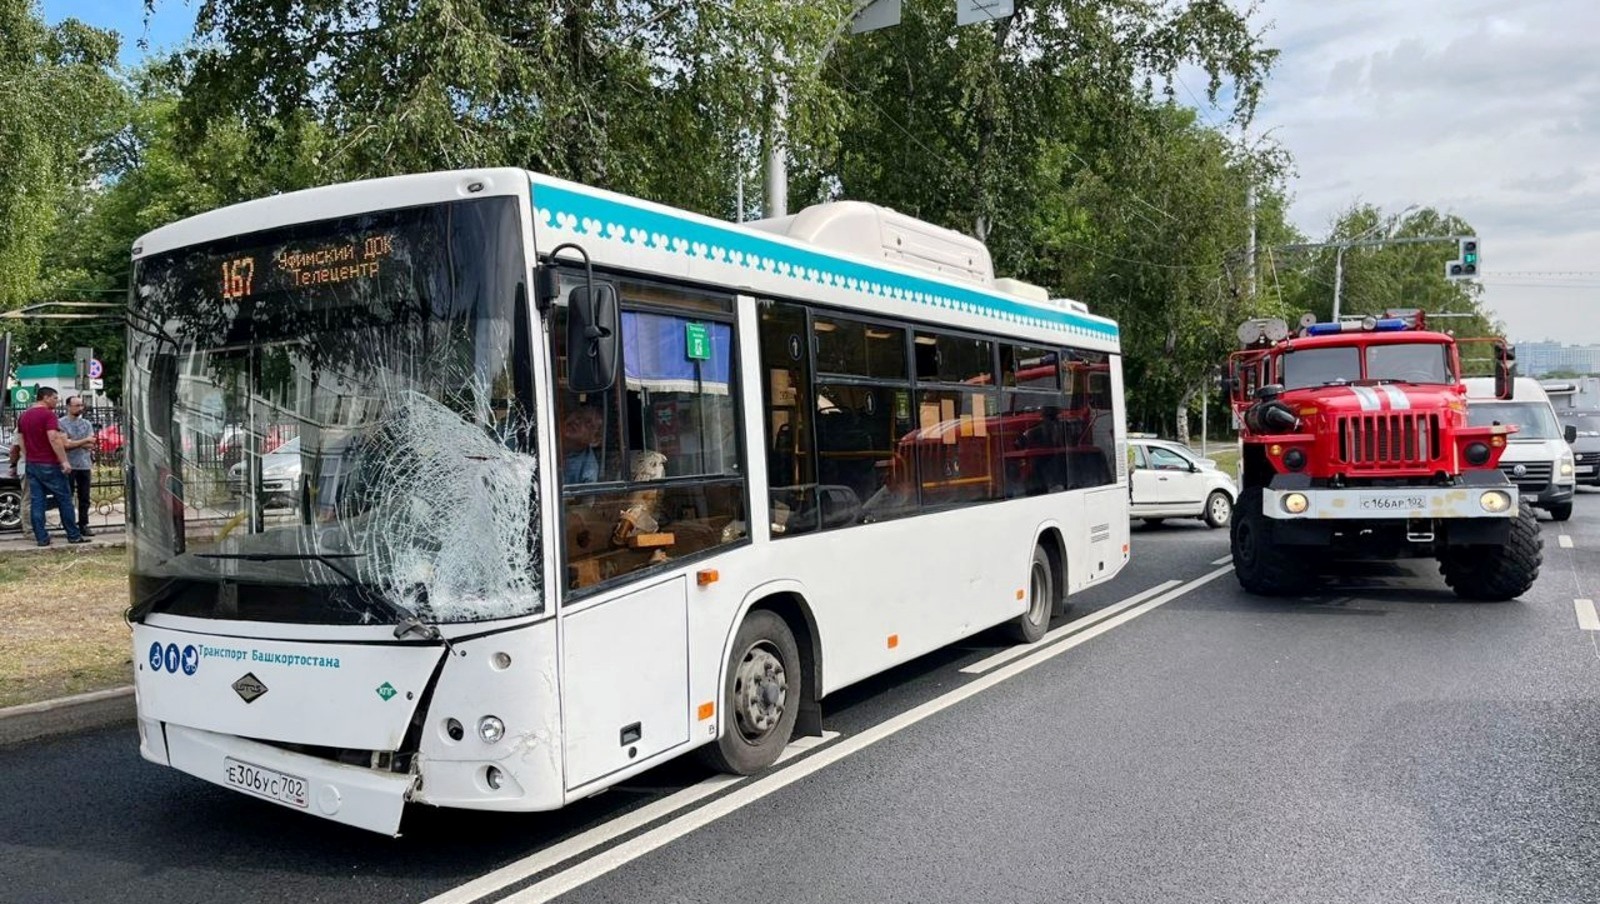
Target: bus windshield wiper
(406,621)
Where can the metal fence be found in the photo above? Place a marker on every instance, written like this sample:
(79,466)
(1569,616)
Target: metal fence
(106,489)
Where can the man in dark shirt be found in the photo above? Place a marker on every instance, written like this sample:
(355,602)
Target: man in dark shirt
(45,448)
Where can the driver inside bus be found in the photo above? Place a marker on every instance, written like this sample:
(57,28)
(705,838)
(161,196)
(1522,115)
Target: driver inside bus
(581,431)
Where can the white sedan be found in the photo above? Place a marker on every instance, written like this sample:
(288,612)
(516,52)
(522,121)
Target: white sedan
(1168,480)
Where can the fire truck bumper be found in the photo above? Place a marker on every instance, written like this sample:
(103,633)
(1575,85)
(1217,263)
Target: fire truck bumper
(1420,503)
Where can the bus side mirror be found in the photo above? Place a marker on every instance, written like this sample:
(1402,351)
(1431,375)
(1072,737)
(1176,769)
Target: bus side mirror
(1571,433)
(1505,371)
(592,338)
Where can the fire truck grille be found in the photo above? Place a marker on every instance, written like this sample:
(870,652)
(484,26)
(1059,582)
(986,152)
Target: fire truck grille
(1389,440)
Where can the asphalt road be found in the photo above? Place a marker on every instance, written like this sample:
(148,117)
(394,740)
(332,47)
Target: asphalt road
(1377,741)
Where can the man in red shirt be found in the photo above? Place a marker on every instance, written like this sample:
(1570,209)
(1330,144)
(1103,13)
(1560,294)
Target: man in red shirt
(45,448)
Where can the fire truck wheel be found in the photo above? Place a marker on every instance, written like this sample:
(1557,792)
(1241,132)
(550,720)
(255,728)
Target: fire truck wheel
(1219,510)
(760,698)
(1031,625)
(1497,573)
(1261,567)
(1560,512)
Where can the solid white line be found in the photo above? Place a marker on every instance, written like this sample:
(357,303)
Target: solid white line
(1588,620)
(1077,624)
(1225,560)
(1565,541)
(552,856)
(638,846)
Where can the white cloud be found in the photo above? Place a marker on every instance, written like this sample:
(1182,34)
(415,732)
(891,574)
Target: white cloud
(1488,110)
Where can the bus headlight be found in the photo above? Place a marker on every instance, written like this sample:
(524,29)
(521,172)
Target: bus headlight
(1296,503)
(491,729)
(1495,501)
(1566,467)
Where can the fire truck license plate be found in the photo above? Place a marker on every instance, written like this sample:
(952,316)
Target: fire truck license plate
(264,782)
(1392,503)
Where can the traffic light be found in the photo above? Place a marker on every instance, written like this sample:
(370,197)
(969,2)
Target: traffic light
(1465,266)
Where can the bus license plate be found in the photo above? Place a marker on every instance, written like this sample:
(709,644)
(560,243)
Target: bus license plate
(1392,503)
(264,782)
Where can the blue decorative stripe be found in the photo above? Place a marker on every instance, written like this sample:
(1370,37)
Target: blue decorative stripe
(563,209)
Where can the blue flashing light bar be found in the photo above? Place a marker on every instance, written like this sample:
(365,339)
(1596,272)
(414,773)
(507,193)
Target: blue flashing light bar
(1368,325)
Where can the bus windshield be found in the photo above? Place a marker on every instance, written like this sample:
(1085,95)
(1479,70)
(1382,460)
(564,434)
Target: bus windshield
(334,417)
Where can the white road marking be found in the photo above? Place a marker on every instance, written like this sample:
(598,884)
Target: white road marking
(1588,620)
(1225,560)
(613,858)
(1565,541)
(1077,624)
(580,844)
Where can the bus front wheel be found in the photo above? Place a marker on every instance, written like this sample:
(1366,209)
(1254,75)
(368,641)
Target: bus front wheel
(760,696)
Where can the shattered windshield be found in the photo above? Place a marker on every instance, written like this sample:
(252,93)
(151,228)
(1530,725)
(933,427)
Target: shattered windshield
(332,422)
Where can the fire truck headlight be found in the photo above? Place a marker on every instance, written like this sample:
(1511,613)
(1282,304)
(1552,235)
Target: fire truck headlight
(1296,503)
(1495,501)
(1294,459)
(491,729)
(1477,453)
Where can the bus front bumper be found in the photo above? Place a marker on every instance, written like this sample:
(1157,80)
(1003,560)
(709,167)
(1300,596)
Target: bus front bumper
(353,795)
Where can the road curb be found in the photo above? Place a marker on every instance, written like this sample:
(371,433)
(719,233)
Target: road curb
(68,715)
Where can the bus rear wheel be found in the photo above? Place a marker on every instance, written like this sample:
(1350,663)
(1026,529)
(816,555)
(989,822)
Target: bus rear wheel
(760,697)
(1030,626)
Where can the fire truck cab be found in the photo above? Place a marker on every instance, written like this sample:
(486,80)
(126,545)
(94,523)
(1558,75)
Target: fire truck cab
(1355,438)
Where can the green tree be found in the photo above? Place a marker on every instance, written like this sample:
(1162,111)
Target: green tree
(58,99)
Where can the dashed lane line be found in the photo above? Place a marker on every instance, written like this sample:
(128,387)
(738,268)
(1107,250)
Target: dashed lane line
(586,871)
(1588,619)
(583,843)
(1565,541)
(1077,624)
(1225,560)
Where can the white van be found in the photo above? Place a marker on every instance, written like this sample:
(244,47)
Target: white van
(1538,458)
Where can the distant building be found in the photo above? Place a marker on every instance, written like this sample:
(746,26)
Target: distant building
(1535,359)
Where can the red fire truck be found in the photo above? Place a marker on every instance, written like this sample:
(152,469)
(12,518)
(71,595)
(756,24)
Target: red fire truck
(1355,442)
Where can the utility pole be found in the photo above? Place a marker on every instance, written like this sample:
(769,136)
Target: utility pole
(774,140)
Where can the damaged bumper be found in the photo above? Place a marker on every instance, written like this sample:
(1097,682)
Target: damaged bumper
(352,795)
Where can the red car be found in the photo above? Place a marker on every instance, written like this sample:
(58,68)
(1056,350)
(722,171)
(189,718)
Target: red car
(109,440)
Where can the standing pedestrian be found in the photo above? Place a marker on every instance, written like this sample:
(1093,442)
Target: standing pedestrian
(48,465)
(79,440)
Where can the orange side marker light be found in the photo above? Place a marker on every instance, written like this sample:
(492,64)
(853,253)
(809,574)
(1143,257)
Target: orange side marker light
(894,641)
(706,711)
(1020,594)
(707,576)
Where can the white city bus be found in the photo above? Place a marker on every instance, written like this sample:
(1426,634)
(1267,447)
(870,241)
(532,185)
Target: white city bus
(543,485)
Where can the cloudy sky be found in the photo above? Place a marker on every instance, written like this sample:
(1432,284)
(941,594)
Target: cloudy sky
(1489,110)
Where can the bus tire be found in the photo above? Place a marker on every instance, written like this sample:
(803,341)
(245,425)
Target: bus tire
(1261,567)
(761,696)
(1031,624)
(1497,573)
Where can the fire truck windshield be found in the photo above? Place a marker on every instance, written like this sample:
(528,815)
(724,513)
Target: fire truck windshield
(1413,362)
(1310,367)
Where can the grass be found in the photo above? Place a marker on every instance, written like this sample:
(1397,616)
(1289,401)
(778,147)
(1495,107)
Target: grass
(61,617)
